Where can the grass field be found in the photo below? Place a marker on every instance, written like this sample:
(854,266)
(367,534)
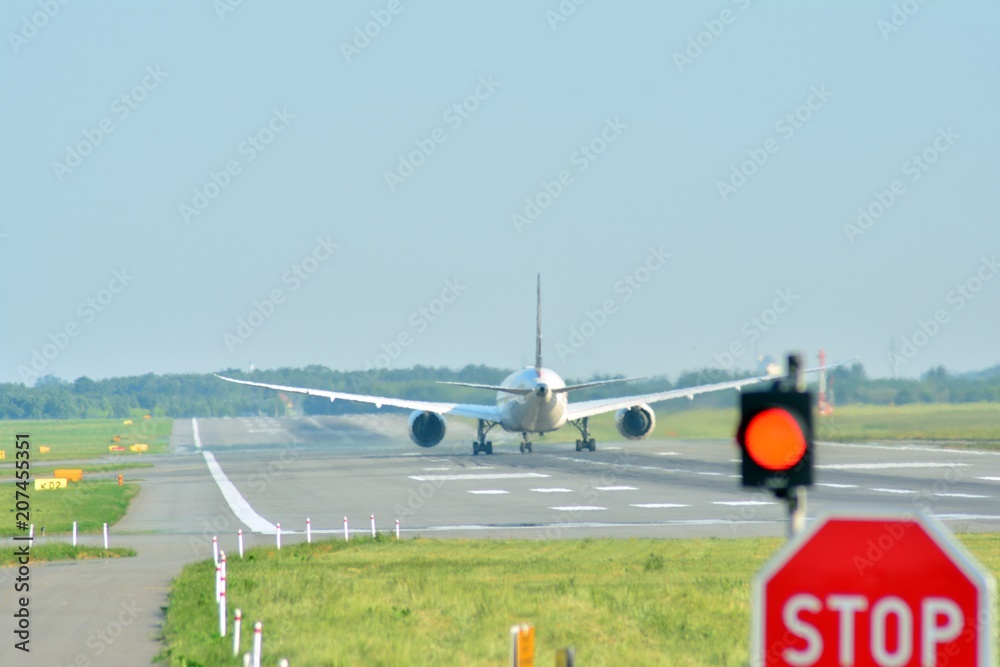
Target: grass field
(51,552)
(90,504)
(382,602)
(83,438)
(963,422)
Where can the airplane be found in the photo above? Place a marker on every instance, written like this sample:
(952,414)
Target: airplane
(532,400)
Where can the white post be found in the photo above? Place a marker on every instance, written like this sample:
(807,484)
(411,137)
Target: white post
(105,535)
(283,662)
(277,535)
(215,549)
(222,614)
(222,573)
(346,536)
(397,529)
(246,660)
(236,632)
(218,580)
(239,538)
(309,532)
(31,536)
(373,525)
(257,628)
(74,533)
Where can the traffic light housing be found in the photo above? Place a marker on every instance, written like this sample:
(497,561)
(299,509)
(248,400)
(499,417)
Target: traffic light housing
(776,439)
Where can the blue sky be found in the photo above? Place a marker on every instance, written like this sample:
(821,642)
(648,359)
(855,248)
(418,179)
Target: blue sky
(188,189)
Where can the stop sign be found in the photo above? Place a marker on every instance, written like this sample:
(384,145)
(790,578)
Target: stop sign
(886,590)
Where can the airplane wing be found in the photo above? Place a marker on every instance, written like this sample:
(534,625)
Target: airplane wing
(487,412)
(602,405)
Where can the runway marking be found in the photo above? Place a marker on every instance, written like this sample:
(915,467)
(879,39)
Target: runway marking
(439,469)
(490,492)
(552,490)
(611,449)
(908,448)
(489,475)
(596,524)
(837,486)
(578,508)
(667,453)
(966,517)
(881,490)
(890,466)
(194,432)
(741,503)
(616,488)
(990,479)
(959,495)
(237,503)
(714,474)
(655,506)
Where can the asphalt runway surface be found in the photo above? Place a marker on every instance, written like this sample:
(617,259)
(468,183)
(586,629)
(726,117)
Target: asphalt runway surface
(223,475)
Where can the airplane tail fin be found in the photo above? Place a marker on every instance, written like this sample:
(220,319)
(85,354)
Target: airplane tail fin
(538,329)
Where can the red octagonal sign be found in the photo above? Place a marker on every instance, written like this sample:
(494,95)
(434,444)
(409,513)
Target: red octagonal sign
(873,590)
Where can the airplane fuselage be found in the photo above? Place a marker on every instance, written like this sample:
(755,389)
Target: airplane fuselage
(540,411)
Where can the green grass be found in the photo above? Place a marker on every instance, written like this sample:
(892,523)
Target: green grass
(977,423)
(89,503)
(83,438)
(60,551)
(422,602)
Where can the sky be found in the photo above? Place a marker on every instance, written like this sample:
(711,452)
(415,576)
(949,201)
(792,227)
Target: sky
(191,187)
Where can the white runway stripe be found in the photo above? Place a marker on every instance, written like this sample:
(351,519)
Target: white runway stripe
(615,488)
(837,486)
(578,508)
(740,503)
(490,492)
(657,505)
(713,474)
(990,479)
(959,495)
(489,475)
(881,490)
(552,490)
(891,466)
(241,508)
(195,434)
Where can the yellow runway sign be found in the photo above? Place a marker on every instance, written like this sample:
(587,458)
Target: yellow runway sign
(51,483)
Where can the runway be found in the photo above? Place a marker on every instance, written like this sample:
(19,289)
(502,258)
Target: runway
(328,468)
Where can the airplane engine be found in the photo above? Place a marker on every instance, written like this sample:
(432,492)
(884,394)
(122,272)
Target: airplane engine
(636,422)
(426,428)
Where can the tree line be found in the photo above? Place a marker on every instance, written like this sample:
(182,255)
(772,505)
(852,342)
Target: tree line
(204,395)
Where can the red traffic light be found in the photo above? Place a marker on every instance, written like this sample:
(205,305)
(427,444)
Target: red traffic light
(774,439)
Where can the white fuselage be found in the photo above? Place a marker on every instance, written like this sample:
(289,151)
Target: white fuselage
(538,412)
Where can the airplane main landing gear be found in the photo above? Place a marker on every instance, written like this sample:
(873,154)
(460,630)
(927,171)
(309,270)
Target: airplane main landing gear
(482,444)
(526,444)
(587,442)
